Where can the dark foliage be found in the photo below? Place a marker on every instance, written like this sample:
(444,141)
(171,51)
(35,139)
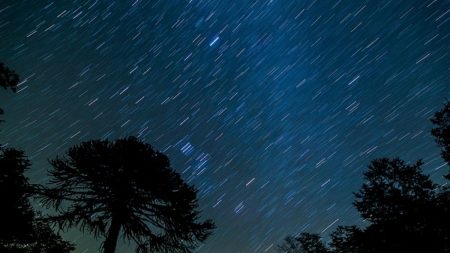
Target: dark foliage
(290,244)
(125,188)
(347,240)
(393,190)
(406,210)
(311,243)
(21,231)
(17,214)
(441,132)
(304,243)
(400,201)
(8,80)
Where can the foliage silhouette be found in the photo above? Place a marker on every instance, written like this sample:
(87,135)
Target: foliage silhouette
(21,230)
(406,210)
(393,190)
(8,80)
(14,187)
(347,239)
(125,188)
(290,244)
(304,243)
(400,201)
(441,132)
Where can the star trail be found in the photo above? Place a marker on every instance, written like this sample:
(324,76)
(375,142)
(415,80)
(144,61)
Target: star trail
(271,108)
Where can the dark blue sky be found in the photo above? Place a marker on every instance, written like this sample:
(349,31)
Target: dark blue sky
(272,108)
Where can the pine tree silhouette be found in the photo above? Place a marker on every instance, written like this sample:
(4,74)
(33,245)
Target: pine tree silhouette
(399,201)
(8,80)
(347,239)
(304,243)
(125,188)
(21,230)
(441,132)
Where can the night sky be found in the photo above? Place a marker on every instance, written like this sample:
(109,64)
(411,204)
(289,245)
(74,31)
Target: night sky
(272,108)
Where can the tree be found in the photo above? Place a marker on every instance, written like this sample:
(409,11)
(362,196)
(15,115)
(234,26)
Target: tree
(311,243)
(17,214)
(8,80)
(393,190)
(304,243)
(21,231)
(290,244)
(45,240)
(400,202)
(347,239)
(125,188)
(441,132)
(406,210)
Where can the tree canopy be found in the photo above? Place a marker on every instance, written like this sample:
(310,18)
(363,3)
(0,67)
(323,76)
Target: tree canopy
(441,132)
(21,229)
(393,189)
(125,187)
(406,210)
(8,80)
(304,243)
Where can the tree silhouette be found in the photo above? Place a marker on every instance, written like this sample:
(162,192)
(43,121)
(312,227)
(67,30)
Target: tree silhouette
(17,214)
(290,244)
(400,202)
(304,243)
(311,243)
(125,188)
(347,239)
(441,132)
(393,190)
(21,231)
(8,80)
(406,211)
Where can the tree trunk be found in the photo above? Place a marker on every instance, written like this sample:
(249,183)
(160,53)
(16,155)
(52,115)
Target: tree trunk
(113,234)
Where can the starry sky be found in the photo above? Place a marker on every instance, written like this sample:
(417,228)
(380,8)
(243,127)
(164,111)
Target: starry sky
(272,108)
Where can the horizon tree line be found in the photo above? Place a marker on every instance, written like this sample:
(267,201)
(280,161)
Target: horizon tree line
(122,189)
(126,190)
(406,210)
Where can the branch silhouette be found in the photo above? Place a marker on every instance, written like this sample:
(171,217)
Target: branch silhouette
(124,188)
